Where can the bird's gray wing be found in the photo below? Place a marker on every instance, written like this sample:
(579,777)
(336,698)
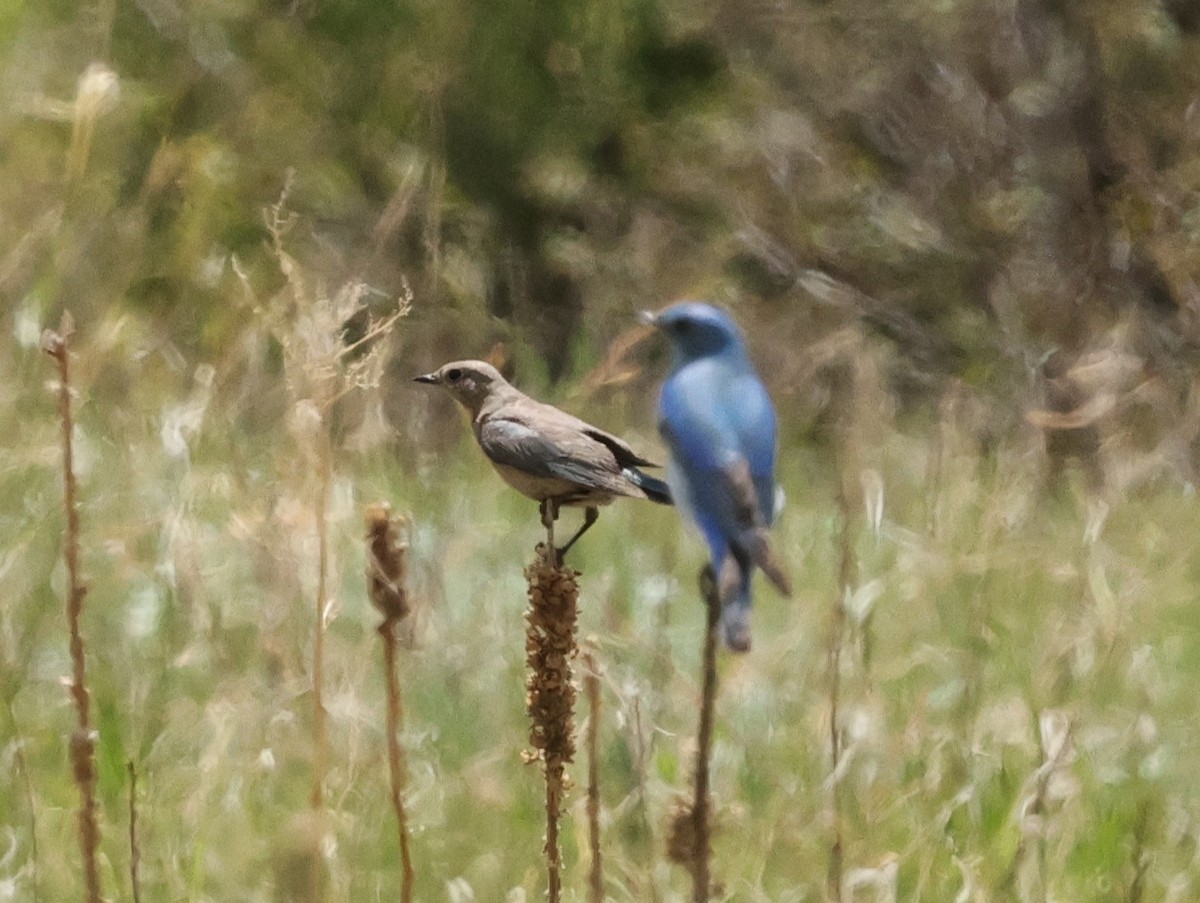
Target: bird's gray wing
(551,449)
(624,455)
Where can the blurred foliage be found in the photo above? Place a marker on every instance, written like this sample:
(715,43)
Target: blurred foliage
(979,183)
(964,237)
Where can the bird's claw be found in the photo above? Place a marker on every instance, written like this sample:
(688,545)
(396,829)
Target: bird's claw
(553,554)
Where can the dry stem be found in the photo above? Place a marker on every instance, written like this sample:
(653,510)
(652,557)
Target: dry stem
(135,850)
(321,368)
(22,766)
(550,698)
(690,841)
(837,630)
(1036,807)
(591,685)
(83,740)
(320,733)
(647,829)
(385,586)
(320,756)
(701,847)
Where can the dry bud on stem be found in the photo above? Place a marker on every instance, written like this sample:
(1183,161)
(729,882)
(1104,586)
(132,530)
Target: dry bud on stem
(385,567)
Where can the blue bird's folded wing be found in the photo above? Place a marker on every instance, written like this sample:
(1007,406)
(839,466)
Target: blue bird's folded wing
(753,418)
(752,524)
(712,417)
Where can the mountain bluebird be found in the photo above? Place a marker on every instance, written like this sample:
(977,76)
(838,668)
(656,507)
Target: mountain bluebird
(542,452)
(718,422)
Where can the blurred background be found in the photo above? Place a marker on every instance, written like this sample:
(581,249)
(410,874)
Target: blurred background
(963,237)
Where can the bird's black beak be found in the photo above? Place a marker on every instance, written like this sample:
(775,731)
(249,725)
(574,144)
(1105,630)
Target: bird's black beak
(428,378)
(647,317)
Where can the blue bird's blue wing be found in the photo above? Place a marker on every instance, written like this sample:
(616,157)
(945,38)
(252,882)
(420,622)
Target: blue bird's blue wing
(700,447)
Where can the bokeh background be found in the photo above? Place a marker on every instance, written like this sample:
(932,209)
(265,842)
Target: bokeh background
(963,237)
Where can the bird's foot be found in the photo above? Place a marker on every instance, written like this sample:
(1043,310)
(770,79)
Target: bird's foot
(590,515)
(548,553)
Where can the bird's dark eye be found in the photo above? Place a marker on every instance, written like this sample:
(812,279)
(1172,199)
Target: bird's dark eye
(454,375)
(683,326)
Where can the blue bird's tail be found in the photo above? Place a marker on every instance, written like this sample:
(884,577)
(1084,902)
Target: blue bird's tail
(733,584)
(734,589)
(656,490)
(735,621)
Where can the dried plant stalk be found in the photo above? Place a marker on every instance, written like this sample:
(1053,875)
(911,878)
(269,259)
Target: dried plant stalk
(550,699)
(23,768)
(83,739)
(690,840)
(1056,730)
(385,587)
(320,755)
(591,686)
(648,845)
(321,368)
(320,730)
(300,867)
(837,632)
(135,850)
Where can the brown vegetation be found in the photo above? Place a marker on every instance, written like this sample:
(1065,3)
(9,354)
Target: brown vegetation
(550,691)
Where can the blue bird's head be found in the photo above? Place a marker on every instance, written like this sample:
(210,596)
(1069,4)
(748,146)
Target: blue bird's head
(698,330)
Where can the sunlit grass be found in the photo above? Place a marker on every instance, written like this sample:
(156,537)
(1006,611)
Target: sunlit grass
(1017,696)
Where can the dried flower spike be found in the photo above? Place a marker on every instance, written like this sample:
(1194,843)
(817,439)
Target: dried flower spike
(385,566)
(550,693)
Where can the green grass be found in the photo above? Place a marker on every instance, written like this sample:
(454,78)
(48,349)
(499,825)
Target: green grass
(993,614)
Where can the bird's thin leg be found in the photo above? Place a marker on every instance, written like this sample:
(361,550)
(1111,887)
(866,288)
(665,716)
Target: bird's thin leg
(549,510)
(590,515)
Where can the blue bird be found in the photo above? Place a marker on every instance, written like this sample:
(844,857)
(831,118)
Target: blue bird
(719,424)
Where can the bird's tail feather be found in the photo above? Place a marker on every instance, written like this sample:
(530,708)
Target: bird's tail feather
(735,623)
(733,587)
(763,555)
(655,489)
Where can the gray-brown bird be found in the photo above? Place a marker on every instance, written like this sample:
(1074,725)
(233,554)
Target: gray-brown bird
(544,453)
